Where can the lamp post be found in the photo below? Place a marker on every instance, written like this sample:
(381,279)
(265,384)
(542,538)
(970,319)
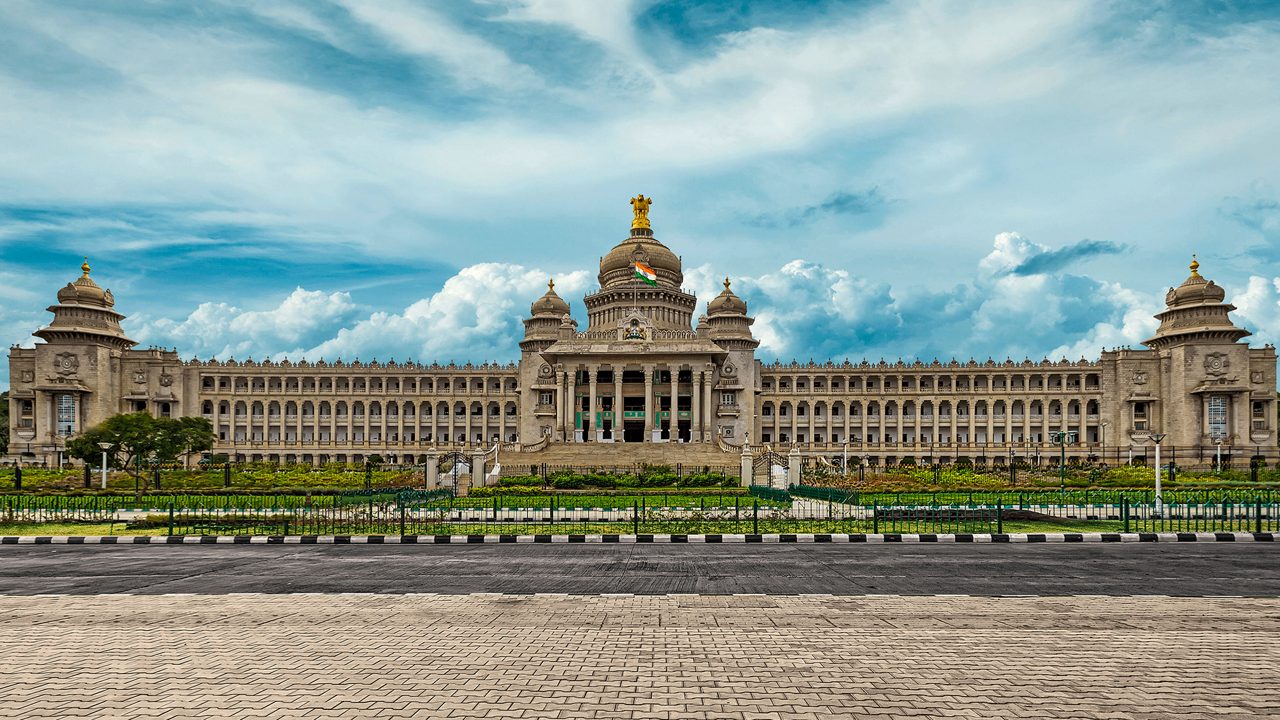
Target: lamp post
(105,447)
(1061,438)
(844,461)
(1013,468)
(1217,457)
(1157,437)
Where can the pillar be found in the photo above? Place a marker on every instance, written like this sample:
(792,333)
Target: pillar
(561,425)
(674,421)
(477,468)
(571,411)
(432,471)
(593,427)
(695,417)
(793,467)
(708,428)
(748,465)
(617,403)
(650,417)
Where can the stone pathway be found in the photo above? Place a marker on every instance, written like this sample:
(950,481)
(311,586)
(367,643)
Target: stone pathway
(662,656)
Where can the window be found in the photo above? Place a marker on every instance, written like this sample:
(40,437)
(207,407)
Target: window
(1218,416)
(544,397)
(1259,415)
(1140,415)
(66,415)
(728,398)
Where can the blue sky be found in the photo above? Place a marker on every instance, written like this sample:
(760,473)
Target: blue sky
(397,179)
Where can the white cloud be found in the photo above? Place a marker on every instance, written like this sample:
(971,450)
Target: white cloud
(221,330)
(1258,305)
(421,31)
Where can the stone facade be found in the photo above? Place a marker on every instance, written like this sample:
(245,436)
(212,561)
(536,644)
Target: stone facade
(644,372)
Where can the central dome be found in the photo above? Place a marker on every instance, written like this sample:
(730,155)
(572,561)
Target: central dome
(618,267)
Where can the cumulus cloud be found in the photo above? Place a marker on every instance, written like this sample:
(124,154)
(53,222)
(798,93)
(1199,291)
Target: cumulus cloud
(1258,306)
(475,316)
(222,330)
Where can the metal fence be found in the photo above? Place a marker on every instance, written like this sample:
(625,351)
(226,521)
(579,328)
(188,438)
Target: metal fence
(764,510)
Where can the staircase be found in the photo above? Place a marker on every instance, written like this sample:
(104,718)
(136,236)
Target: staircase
(618,455)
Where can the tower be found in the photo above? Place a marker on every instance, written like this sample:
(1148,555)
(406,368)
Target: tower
(67,384)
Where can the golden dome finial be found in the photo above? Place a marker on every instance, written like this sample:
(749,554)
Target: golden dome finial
(551,284)
(85,267)
(726,283)
(1195,266)
(640,209)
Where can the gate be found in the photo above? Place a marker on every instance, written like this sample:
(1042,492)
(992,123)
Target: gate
(764,472)
(451,466)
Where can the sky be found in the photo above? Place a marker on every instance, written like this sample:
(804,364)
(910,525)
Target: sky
(397,179)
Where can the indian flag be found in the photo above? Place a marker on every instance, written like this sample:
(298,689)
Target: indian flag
(646,273)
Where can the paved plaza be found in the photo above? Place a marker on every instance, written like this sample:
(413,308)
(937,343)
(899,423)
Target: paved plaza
(636,656)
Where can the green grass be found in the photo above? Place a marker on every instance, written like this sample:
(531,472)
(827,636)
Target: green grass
(261,527)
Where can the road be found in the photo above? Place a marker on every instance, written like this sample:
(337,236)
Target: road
(1183,569)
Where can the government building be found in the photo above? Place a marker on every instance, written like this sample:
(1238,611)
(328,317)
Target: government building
(646,374)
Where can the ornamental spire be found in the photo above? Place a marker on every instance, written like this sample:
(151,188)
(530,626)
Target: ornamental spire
(85,267)
(1195,266)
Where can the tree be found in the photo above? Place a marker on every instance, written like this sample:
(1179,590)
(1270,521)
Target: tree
(4,422)
(135,437)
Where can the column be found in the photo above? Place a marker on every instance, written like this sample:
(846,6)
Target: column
(617,403)
(571,408)
(695,400)
(650,434)
(560,406)
(674,422)
(708,410)
(593,426)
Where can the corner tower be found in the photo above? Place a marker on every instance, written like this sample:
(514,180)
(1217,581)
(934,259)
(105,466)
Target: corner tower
(1213,387)
(67,383)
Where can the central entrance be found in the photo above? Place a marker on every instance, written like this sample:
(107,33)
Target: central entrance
(633,432)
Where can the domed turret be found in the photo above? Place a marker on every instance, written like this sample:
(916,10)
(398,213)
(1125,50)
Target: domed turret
(726,303)
(1195,311)
(85,313)
(1195,289)
(550,304)
(84,291)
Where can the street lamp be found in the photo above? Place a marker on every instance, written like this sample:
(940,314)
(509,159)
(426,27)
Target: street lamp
(844,461)
(1157,437)
(1061,438)
(105,447)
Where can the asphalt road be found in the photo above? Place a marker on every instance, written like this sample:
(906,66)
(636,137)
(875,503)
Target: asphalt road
(1183,569)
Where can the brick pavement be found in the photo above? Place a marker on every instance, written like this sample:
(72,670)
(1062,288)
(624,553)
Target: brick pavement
(663,656)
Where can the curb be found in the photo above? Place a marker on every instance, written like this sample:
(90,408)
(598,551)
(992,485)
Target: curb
(521,539)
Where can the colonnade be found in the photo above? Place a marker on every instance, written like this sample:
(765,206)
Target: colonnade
(607,418)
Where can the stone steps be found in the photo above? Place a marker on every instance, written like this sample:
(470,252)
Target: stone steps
(620,455)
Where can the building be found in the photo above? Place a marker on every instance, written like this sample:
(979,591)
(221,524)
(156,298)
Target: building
(643,371)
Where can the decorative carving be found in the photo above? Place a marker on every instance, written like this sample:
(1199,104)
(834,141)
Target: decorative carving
(28,376)
(93,361)
(545,371)
(166,379)
(728,370)
(1217,363)
(640,209)
(1257,377)
(66,363)
(140,377)
(1140,377)
(634,331)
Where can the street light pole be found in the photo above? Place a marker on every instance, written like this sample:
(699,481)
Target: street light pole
(1217,458)
(105,447)
(1157,437)
(844,462)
